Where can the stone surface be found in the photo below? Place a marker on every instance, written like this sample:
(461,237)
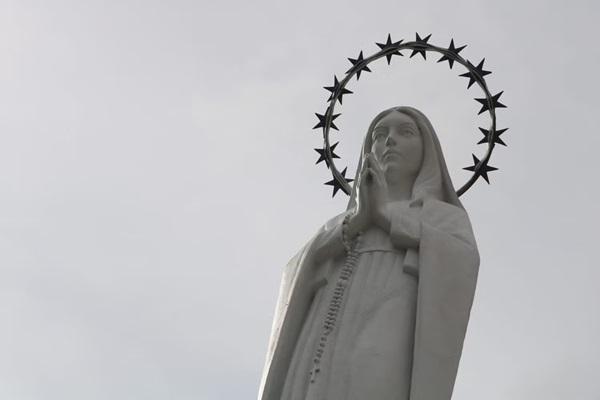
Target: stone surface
(375,306)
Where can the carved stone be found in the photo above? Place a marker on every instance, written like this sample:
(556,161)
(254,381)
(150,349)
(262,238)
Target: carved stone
(375,306)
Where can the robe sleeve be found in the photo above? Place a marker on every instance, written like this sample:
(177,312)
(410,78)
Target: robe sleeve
(406,225)
(405,228)
(405,233)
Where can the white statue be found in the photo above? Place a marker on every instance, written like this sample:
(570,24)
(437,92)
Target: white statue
(376,304)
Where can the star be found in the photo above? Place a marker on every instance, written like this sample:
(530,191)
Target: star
(478,69)
(495,103)
(454,52)
(483,169)
(336,185)
(420,43)
(358,61)
(323,154)
(389,45)
(496,139)
(322,119)
(336,89)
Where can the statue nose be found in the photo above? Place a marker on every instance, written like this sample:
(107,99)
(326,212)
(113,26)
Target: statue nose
(390,141)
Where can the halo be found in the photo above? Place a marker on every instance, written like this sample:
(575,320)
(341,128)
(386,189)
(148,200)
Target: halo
(476,74)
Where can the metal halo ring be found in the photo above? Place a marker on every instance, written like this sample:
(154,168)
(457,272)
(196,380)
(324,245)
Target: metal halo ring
(419,46)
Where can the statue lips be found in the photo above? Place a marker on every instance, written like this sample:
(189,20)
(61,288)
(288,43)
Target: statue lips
(390,152)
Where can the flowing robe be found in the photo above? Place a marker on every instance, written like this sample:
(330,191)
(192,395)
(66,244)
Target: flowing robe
(446,263)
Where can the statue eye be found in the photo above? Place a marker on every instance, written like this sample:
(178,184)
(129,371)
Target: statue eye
(379,133)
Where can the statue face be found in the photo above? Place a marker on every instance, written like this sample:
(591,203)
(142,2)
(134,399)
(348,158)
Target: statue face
(398,145)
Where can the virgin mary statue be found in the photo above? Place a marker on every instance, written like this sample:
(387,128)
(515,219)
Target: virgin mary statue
(375,306)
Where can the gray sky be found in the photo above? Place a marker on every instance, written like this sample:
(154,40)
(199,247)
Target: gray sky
(156,173)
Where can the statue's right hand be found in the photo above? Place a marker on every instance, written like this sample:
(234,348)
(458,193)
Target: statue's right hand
(362,214)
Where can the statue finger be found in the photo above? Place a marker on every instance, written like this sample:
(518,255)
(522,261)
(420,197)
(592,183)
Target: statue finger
(377,166)
(367,162)
(369,175)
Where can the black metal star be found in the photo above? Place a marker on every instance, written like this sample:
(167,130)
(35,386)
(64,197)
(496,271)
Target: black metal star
(389,45)
(420,42)
(358,61)
(478,69)
(452,50)
(336,185)
(483,170)
(323,154)
(496,138)
(495,103)
(322,121)
(335,89)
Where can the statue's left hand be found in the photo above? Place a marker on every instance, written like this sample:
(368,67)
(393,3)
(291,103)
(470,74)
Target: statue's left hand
(377,190)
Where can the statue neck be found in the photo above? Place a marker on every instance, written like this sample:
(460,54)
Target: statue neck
(399,187)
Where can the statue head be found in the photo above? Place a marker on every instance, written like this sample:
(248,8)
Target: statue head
(397,145)
(407,147)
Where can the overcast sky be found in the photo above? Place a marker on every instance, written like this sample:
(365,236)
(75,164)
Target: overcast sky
(157,172)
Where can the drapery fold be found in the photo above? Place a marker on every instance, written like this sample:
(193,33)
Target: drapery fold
(447,263)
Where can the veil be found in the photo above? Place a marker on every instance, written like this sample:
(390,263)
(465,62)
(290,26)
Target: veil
(433,180)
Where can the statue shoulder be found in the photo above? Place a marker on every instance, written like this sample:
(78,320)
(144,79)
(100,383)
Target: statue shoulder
(327,230)
(334,222)
(448,218)
(434,209)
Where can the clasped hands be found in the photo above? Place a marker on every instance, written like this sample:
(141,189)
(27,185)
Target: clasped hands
(371,207)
